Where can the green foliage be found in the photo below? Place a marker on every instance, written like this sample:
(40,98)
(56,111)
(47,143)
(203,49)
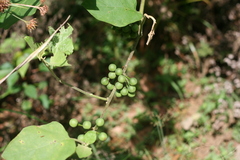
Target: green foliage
(19,11)
(204,49)
(83,151)
(90,137)
(23,70)
(50,139)
(11,81)
(26,105)
(236,131)
(61,47)
(12,43)
(116,12)
(30,91)
(45,101)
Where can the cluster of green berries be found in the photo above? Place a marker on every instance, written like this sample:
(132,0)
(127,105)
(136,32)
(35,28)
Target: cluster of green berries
(130,30)
(125,86)
(88,136)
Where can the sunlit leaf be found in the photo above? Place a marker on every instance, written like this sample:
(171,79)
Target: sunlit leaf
(116,12)
(83,151)
(46,142)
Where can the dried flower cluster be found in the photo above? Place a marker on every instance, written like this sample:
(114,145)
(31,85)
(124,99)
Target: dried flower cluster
(4,4)
(32,24)
(43,10)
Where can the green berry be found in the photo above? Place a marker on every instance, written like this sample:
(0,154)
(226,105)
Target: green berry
(131,95)
(131,89)
(118,85)
(133,35)
(100,122)
(102,136)
(112,75)
(81,137)
(73,122)
(118,71)
(133,81)
(124,91)
(112,67)
(126,29)
(121,78)
(110,86)
(87,125)
(104,81)
(118,94)
(134,27)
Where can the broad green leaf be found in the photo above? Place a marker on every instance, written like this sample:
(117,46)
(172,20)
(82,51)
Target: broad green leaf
(116,12)
(13,43)
(45,100)
(90,137)
(83,151)
(42,84)
(59,60)
(61,46)
(5,68)
(12,79)
(7,19)
(9,91)
(31,42)
(45,142)
(22,71)
(26,105)
(30,91)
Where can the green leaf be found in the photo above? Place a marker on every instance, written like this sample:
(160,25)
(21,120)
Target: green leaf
(59,60)
(61,46)
(22,71)
(116,12)
(31,42)
(45,100)
(90,137)
(83,151)
(11,44)
(7,19)
(12,79)
(45,142)
(26,105)
(30,91)
(5,68)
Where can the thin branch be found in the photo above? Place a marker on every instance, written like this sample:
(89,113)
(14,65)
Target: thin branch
(73,87)
(151,33)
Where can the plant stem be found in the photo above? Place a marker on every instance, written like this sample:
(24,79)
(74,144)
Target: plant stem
(95,152)
(73,87)
(109,99)
(142,5)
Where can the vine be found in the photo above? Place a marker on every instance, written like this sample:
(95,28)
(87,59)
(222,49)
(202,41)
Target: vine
(52,136)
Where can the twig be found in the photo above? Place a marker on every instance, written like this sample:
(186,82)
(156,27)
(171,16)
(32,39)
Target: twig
(151,33)
(35,53)
(73,87)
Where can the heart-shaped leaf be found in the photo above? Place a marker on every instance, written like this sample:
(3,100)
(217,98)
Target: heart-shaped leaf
(116,12)
(49,142)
